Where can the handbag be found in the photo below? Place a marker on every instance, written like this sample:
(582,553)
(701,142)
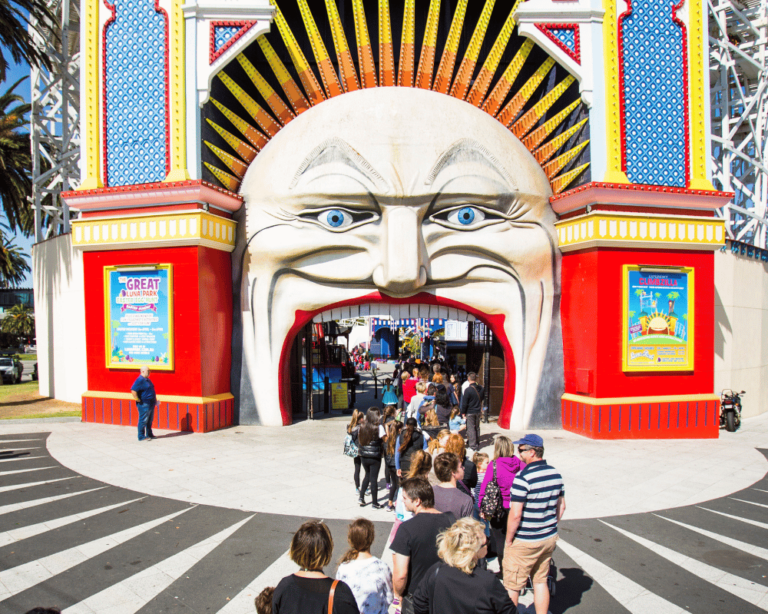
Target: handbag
(330,596)
(492,506)
(350,447)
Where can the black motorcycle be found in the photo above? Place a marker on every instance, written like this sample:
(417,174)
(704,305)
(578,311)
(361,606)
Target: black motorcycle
(730,409)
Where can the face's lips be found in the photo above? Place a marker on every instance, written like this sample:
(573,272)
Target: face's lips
(495,323)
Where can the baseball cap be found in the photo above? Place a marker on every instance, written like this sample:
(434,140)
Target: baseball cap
(531,440)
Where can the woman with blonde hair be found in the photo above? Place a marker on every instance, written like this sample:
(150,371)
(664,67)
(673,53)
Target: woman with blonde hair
(456,585)
(503,469)
(369,578)
(436,445)
(309,590)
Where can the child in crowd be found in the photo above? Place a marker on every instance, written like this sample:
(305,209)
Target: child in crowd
(481,460)
(456,423)
(264,601)
(369,578)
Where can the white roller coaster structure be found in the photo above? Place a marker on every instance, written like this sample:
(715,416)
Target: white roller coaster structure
(738,31)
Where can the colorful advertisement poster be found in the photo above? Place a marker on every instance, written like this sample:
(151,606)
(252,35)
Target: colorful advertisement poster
(658,319)
(139,323)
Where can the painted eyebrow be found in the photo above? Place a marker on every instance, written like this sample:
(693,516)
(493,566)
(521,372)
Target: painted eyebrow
(336,150)
(468,148)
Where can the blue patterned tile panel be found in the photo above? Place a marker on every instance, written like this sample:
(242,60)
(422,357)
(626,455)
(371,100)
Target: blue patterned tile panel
(654,94)
(135,89)
(567,36)
(222,35)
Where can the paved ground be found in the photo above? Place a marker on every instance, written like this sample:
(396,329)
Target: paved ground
(93,521)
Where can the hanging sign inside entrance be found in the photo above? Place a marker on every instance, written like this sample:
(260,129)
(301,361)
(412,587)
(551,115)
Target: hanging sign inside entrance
(339,399)
(658,319)
(139,317)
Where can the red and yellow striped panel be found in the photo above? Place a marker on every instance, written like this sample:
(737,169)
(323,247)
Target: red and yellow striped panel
(563,181)
(237,166)
(279,108)
(427,58)
(535,138)
(494,101)
(245,151)
(256,138)
(306,76)
(509,112)
(263,119)
(291,89)
(407,45)
(364,48)
(548,149)
(553,168)
(324,64)
(344,57)
(386,47)
(225,179)
(532,116)
(467,67)
(485,76)
(448,60)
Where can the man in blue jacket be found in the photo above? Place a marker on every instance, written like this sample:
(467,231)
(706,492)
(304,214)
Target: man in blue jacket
(143,392)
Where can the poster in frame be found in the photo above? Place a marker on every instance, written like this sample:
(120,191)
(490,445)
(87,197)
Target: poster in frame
(138,317)
(657,318)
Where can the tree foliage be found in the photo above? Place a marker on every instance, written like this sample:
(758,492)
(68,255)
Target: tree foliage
(19,320)
(15,161)
(16,18)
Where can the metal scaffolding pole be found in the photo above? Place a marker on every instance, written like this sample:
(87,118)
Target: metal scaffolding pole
(55,119)
(739,108)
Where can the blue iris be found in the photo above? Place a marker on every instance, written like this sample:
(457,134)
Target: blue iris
(335,218)
(466,215)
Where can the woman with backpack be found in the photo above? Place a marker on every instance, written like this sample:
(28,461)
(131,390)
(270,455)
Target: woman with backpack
(409,441)
(370,441)
(350,445)
(498,481)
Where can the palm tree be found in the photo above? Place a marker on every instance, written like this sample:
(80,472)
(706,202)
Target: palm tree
(19,320)
(15,160)
(13,262)
(16,17)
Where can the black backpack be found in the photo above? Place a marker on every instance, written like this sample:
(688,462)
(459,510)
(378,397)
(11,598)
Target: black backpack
(492,506)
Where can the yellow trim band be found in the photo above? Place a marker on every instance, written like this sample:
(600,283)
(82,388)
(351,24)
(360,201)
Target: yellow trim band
(163,398)
(696,94)
(614,172)
(178,128)
(92,106)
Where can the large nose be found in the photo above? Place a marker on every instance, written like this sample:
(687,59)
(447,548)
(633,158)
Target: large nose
(402,269)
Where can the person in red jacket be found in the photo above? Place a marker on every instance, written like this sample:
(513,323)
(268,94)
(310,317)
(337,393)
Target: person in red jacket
(409,387)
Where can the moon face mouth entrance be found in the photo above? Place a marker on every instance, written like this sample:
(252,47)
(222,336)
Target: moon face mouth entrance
(421,306)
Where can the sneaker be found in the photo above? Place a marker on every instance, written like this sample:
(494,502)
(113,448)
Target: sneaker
(362,502)
(368,492)
(377,506)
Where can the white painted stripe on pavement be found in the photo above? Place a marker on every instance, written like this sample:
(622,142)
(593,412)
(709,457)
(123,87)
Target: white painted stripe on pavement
(23,577)
(15,507)
(132,594)
(734,543)
(31,484)
(760,489)
(756,523)
(25,470)
(10,460)
(635,598)
(18,440)
(750,502)
(243,602)
(751,592)
(18,449)
(16,535)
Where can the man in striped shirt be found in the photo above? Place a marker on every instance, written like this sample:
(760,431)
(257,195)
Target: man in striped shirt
(536,505)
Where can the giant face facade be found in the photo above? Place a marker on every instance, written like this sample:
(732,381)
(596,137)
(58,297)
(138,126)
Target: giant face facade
(398,195)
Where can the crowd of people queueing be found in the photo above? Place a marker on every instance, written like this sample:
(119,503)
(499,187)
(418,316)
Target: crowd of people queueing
(453,515)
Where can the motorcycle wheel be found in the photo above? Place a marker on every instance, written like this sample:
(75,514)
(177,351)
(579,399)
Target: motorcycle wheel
(730,421)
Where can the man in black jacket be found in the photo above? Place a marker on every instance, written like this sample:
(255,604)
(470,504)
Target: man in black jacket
(471,407)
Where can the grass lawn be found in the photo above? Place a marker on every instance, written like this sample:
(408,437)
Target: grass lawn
(24,401)
(28,356)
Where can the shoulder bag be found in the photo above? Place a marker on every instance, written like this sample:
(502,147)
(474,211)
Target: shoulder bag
(350,447)
(330,596)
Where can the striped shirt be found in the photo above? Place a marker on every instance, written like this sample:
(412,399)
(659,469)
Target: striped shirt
(538,487)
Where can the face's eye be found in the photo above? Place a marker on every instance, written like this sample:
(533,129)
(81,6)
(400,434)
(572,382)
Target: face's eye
(335,218)
(466,217)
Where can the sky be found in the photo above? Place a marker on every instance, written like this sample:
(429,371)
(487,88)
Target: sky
(15,72)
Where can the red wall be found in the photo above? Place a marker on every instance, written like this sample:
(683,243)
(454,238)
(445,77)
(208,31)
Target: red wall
(592,324)
(202,320)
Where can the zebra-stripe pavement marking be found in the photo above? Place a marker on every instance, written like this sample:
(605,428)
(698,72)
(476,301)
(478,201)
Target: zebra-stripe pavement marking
(755,523)
(15,507)
(133,593)
(21,458)
(31,484)
(242,603)
(2,473)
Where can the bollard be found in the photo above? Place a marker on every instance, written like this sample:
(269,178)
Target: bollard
(375,387)
(326,396)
